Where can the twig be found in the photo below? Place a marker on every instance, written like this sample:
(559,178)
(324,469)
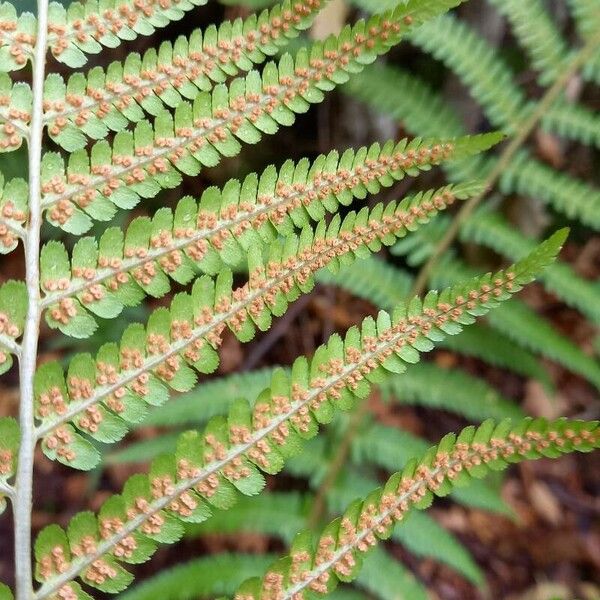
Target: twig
(27,360)
(524,130)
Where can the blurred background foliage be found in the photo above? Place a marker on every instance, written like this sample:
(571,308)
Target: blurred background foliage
(534,534)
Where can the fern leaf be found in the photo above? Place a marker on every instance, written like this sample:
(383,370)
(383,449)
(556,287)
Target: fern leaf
(13,309)
(491,230)
(121,268)
(455,391)
(417,106)
(496,348)
(587,19)
(384,578)
(375,6)
(416,533)
(421,110)
(574,198)
(206,577)
(14,212)
(88,25)
(390,449)
(17,37)
(150,158)
(471,58)
(573,122)
(128,377)
(376,281)
(15,111)
(521,324)
(537,34)
(9,449)
(89,105)
(212,398)
(281,515)
(5,592)
(338,554)
(209,467)
(274,514)
(84,27)
(385,286)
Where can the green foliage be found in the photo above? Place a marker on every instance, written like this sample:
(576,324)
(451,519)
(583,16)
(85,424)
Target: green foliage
(576,199)
(525,327)
(385,285)
(101,396)
(137,127)
(488,79)
(109,99)
(417,532)
(492,230)
(451,390)
(13,308)
(142,162)
(5,592)
(13,211)
(9,448)
(84,27)
(206,577)
(536,32)
(385,577)
(338,552)
(122,267)
(210,468)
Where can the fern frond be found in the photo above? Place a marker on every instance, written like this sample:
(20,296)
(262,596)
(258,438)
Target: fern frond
(451,390)
(416,533)
(572,197)
(473,60)
(587,19)
(13,309)
(17,37)
(406,98)
(208,467)
(86,26)
(385,286)
(264,514)
(206,577)
(385,577)
(389,448)
(496,348)
(492,230)
(523,325)
(213,397)
(121,268)
(281,515)
(14,195)
(375,6)
(537,34)
(150,158)
(128,377)
(377,281)
(421,110)
(338,552)
(15,112)
(91,105)
(10,435)
(573,122)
